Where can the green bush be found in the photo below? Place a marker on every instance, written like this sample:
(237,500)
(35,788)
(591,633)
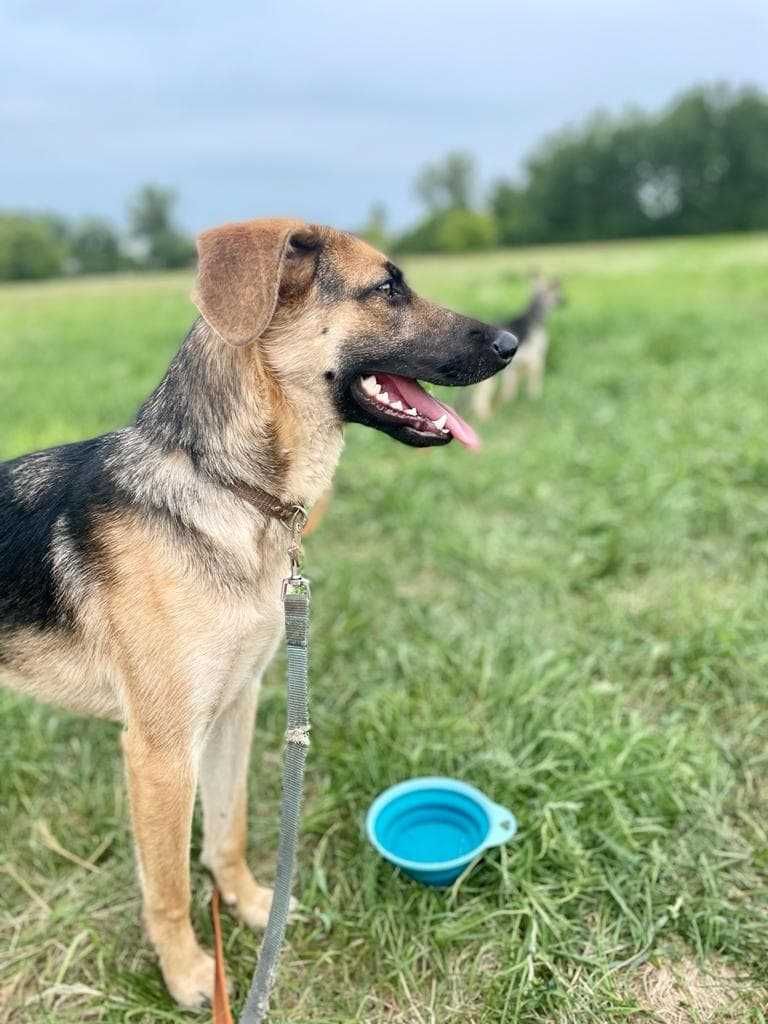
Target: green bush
(465,231)
(455,230)
(29,248)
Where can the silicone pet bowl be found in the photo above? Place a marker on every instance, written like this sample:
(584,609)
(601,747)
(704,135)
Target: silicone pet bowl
(432,828)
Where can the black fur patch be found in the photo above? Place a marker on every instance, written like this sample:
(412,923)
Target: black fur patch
(195,400)
(40,494)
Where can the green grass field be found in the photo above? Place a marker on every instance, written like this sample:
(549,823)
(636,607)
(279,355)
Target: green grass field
(574,619)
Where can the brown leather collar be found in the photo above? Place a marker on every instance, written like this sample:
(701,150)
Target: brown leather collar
(285,512)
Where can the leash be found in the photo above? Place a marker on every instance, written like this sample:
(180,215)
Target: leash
(221,1011)
(296,603)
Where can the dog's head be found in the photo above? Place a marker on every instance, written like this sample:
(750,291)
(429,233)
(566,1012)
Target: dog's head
(328,313)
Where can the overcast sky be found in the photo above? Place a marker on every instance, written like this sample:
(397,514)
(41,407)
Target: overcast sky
(250,107)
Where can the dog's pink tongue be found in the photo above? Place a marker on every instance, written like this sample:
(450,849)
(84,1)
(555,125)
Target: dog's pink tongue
(414,394)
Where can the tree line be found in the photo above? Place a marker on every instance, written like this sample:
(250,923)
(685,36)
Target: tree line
(34,246)
(698,166)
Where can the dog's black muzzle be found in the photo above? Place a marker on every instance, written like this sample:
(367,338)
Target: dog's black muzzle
(477,353)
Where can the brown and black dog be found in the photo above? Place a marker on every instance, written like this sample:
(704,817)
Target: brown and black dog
(140,572)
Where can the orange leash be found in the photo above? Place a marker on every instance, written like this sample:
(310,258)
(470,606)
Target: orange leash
(222,1014)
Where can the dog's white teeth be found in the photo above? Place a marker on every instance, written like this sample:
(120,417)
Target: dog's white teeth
(440,423)
(371,386)
(411,412)
(397,405)
(383,398)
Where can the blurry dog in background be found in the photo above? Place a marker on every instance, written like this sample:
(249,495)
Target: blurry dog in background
(530,329)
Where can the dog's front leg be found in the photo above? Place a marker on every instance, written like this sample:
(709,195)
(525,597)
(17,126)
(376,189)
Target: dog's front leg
(510,379)
(482,398)
(224,792)
(535,384)
(162,772)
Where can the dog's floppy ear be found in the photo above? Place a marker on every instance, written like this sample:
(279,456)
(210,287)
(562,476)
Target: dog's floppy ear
(241,268)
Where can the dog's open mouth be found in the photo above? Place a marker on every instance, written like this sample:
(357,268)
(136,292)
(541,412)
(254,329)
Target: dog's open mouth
(400,402)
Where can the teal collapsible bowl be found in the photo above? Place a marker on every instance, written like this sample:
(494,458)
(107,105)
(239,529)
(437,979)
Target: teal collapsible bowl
(432,828)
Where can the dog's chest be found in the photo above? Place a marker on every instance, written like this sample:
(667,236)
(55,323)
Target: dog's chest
(250,629)
(535,346)
(196,621)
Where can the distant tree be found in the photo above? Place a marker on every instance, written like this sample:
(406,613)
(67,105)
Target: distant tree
(447,189)
(701,165)
(29,248)
(375,228)
(95,247)
(420,237)
(150,212)
(172,250)
(580,184)
(58,226)
(151,223)
(745,178)
(448,184)
(710,154)
(516,221)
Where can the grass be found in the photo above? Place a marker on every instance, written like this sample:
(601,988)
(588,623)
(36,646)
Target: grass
(574,620)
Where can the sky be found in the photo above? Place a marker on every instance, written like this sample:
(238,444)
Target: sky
(317,109)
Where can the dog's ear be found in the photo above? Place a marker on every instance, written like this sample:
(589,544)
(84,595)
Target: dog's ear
(245,268)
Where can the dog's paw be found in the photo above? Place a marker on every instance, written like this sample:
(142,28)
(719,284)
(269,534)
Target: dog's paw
(190,980)
(252,904)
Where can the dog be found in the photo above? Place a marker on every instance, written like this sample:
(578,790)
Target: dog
(140,571)
(530,328)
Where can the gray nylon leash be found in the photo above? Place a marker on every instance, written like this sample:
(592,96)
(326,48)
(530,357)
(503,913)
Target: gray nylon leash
(296,601)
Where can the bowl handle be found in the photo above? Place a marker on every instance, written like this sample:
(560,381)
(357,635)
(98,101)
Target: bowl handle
(503,825)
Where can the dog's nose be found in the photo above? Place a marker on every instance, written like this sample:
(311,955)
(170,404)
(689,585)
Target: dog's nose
(505,345)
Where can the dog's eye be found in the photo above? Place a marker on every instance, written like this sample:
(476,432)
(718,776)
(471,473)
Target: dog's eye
(387,288)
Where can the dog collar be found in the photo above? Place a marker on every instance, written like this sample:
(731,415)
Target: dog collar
(290,512)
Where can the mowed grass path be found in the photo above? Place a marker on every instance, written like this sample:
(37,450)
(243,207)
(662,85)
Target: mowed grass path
(574,620)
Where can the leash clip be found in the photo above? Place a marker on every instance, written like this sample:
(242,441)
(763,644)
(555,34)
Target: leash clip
(295,582)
